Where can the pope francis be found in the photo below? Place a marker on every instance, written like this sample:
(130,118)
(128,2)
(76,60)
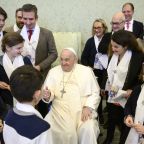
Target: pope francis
(74,93)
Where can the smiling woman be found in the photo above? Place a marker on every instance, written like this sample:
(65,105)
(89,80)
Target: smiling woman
(95,53)
(12,44)
(121,77)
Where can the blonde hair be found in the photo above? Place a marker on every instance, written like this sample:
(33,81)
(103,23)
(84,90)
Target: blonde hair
(103,24)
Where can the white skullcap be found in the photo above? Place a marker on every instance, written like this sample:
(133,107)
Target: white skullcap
(71,49)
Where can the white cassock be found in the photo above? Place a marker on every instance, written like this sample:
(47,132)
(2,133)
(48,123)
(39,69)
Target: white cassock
(64,117)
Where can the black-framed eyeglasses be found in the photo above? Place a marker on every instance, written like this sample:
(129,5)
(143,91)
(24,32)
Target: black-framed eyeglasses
(116,23)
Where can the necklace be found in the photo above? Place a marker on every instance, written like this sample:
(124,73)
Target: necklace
(64,85)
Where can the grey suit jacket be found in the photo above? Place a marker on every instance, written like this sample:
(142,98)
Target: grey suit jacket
(46,52)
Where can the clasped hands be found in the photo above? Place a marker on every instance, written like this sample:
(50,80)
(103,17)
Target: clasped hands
(137,126)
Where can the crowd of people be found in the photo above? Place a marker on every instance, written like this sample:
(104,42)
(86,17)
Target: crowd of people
(63,105)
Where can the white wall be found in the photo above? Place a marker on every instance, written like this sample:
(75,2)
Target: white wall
(72,15)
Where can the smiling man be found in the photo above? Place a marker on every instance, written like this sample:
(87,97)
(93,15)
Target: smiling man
(39,44)
(132,25)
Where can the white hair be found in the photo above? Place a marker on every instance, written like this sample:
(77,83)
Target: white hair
(71,49)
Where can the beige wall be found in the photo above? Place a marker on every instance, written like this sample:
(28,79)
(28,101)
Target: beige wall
(72,15)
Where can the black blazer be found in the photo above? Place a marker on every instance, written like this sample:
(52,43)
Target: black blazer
(130,109)
(131,104)
(138,29)
(89,52)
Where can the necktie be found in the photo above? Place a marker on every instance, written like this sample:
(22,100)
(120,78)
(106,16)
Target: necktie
(127,24)
(30,33)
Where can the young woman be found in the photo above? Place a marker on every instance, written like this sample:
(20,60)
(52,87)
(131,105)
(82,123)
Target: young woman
(12,45)
(123,72)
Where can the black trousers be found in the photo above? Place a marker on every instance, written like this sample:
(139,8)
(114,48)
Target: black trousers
(42,108)
(115,117)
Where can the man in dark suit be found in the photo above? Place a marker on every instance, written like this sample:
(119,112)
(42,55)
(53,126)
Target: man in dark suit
(39,45)
(132,25)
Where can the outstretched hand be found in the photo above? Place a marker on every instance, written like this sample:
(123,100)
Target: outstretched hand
(46,94)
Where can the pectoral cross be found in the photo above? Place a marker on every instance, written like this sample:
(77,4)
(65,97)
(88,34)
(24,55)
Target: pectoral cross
(62,92)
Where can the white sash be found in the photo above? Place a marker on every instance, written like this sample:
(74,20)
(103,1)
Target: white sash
(116,78)
(101,60)
(133,136)
(30,46)
(9,66)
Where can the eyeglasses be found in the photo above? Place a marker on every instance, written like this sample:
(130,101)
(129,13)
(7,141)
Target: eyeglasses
(97,28)
(116,23)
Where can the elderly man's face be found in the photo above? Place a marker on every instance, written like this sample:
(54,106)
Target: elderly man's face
(67,60)
(117,24)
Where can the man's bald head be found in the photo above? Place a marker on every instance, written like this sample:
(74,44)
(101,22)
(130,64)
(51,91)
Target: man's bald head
(118,21)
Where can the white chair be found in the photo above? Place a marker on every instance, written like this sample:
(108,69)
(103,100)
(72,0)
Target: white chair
(67,39)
